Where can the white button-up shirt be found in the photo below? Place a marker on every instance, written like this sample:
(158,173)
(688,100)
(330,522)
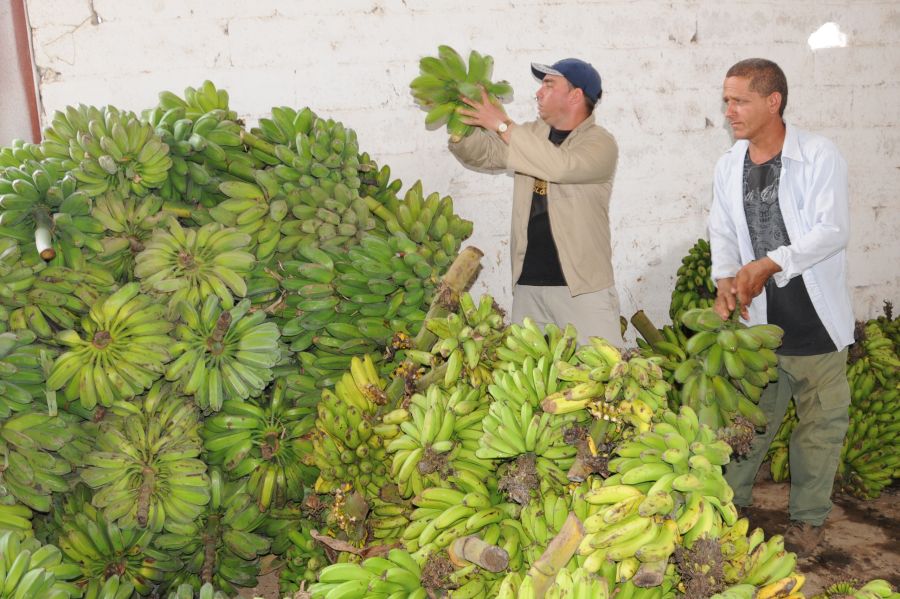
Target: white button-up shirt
(812,196)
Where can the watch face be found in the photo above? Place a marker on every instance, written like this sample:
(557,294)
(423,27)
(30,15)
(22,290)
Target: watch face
(502,127)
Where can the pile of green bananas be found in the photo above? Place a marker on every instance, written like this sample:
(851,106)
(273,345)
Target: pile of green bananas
(874,589)
(445,78)
(146,470)
(694,287)
(728,367)
(870,456)
(303,558)
(21,371)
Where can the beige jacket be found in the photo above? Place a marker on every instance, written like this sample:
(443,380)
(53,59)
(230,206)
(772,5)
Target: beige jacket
(580,174)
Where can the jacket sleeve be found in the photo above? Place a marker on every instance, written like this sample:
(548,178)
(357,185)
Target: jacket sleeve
(830,219)
(589,159)
(481,149)
(723,238)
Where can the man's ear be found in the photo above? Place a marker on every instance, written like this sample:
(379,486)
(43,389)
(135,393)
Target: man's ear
(577,97)
(774,102)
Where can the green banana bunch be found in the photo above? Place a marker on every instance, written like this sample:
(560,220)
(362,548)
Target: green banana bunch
(467,507)
(222,546)
(579,584)
(15,517)
(207,591)
(694,287)
(349,443)
(42,203)
(101,549)
(445,78)
(778,454)
(591,370)
(637,389)
(303,560)
(124,345)
(874,589)
(398,572)
(439,428)
(30,569)
(30,442)
(21,371)
(263,441)
(541,519)
(465,340)
(197,102)
(129,222)
(60,296)
(117,151)
(18,152)
(193,264)
(145,470)
(728,367)
(223,353)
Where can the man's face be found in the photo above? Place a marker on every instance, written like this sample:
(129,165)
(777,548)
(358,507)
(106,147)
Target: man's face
(747,111)
(554,98)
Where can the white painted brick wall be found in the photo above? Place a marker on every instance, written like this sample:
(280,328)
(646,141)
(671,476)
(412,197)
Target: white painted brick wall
(662,65)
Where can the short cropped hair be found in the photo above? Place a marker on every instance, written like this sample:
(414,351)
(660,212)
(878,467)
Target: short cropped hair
(765,76)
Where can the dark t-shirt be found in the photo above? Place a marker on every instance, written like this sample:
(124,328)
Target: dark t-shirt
(541,265)
(788,307)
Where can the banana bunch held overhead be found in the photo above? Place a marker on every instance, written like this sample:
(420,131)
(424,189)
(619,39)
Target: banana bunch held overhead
(445,78)
(223,354)
(223,545)
(146,470)
(727,368)
(694,287)
(263,441)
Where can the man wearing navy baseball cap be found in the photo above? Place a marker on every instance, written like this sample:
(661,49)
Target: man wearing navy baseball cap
(563,165)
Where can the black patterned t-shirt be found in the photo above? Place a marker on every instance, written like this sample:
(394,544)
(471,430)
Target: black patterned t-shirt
(788,307)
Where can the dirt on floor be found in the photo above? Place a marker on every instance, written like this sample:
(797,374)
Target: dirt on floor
(861,539)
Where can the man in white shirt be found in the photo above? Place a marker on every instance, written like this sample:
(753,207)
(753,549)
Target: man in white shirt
(778,231)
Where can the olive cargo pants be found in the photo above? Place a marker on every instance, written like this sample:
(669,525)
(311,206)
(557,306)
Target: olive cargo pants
(822,397)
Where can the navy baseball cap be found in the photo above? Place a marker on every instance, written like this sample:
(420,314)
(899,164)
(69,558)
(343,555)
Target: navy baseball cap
(579,73)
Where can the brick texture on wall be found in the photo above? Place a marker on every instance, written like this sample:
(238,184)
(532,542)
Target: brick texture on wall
(662,64)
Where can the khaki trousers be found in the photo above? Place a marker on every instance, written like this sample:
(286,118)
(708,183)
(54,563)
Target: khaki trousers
(594,314)
(821,393)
